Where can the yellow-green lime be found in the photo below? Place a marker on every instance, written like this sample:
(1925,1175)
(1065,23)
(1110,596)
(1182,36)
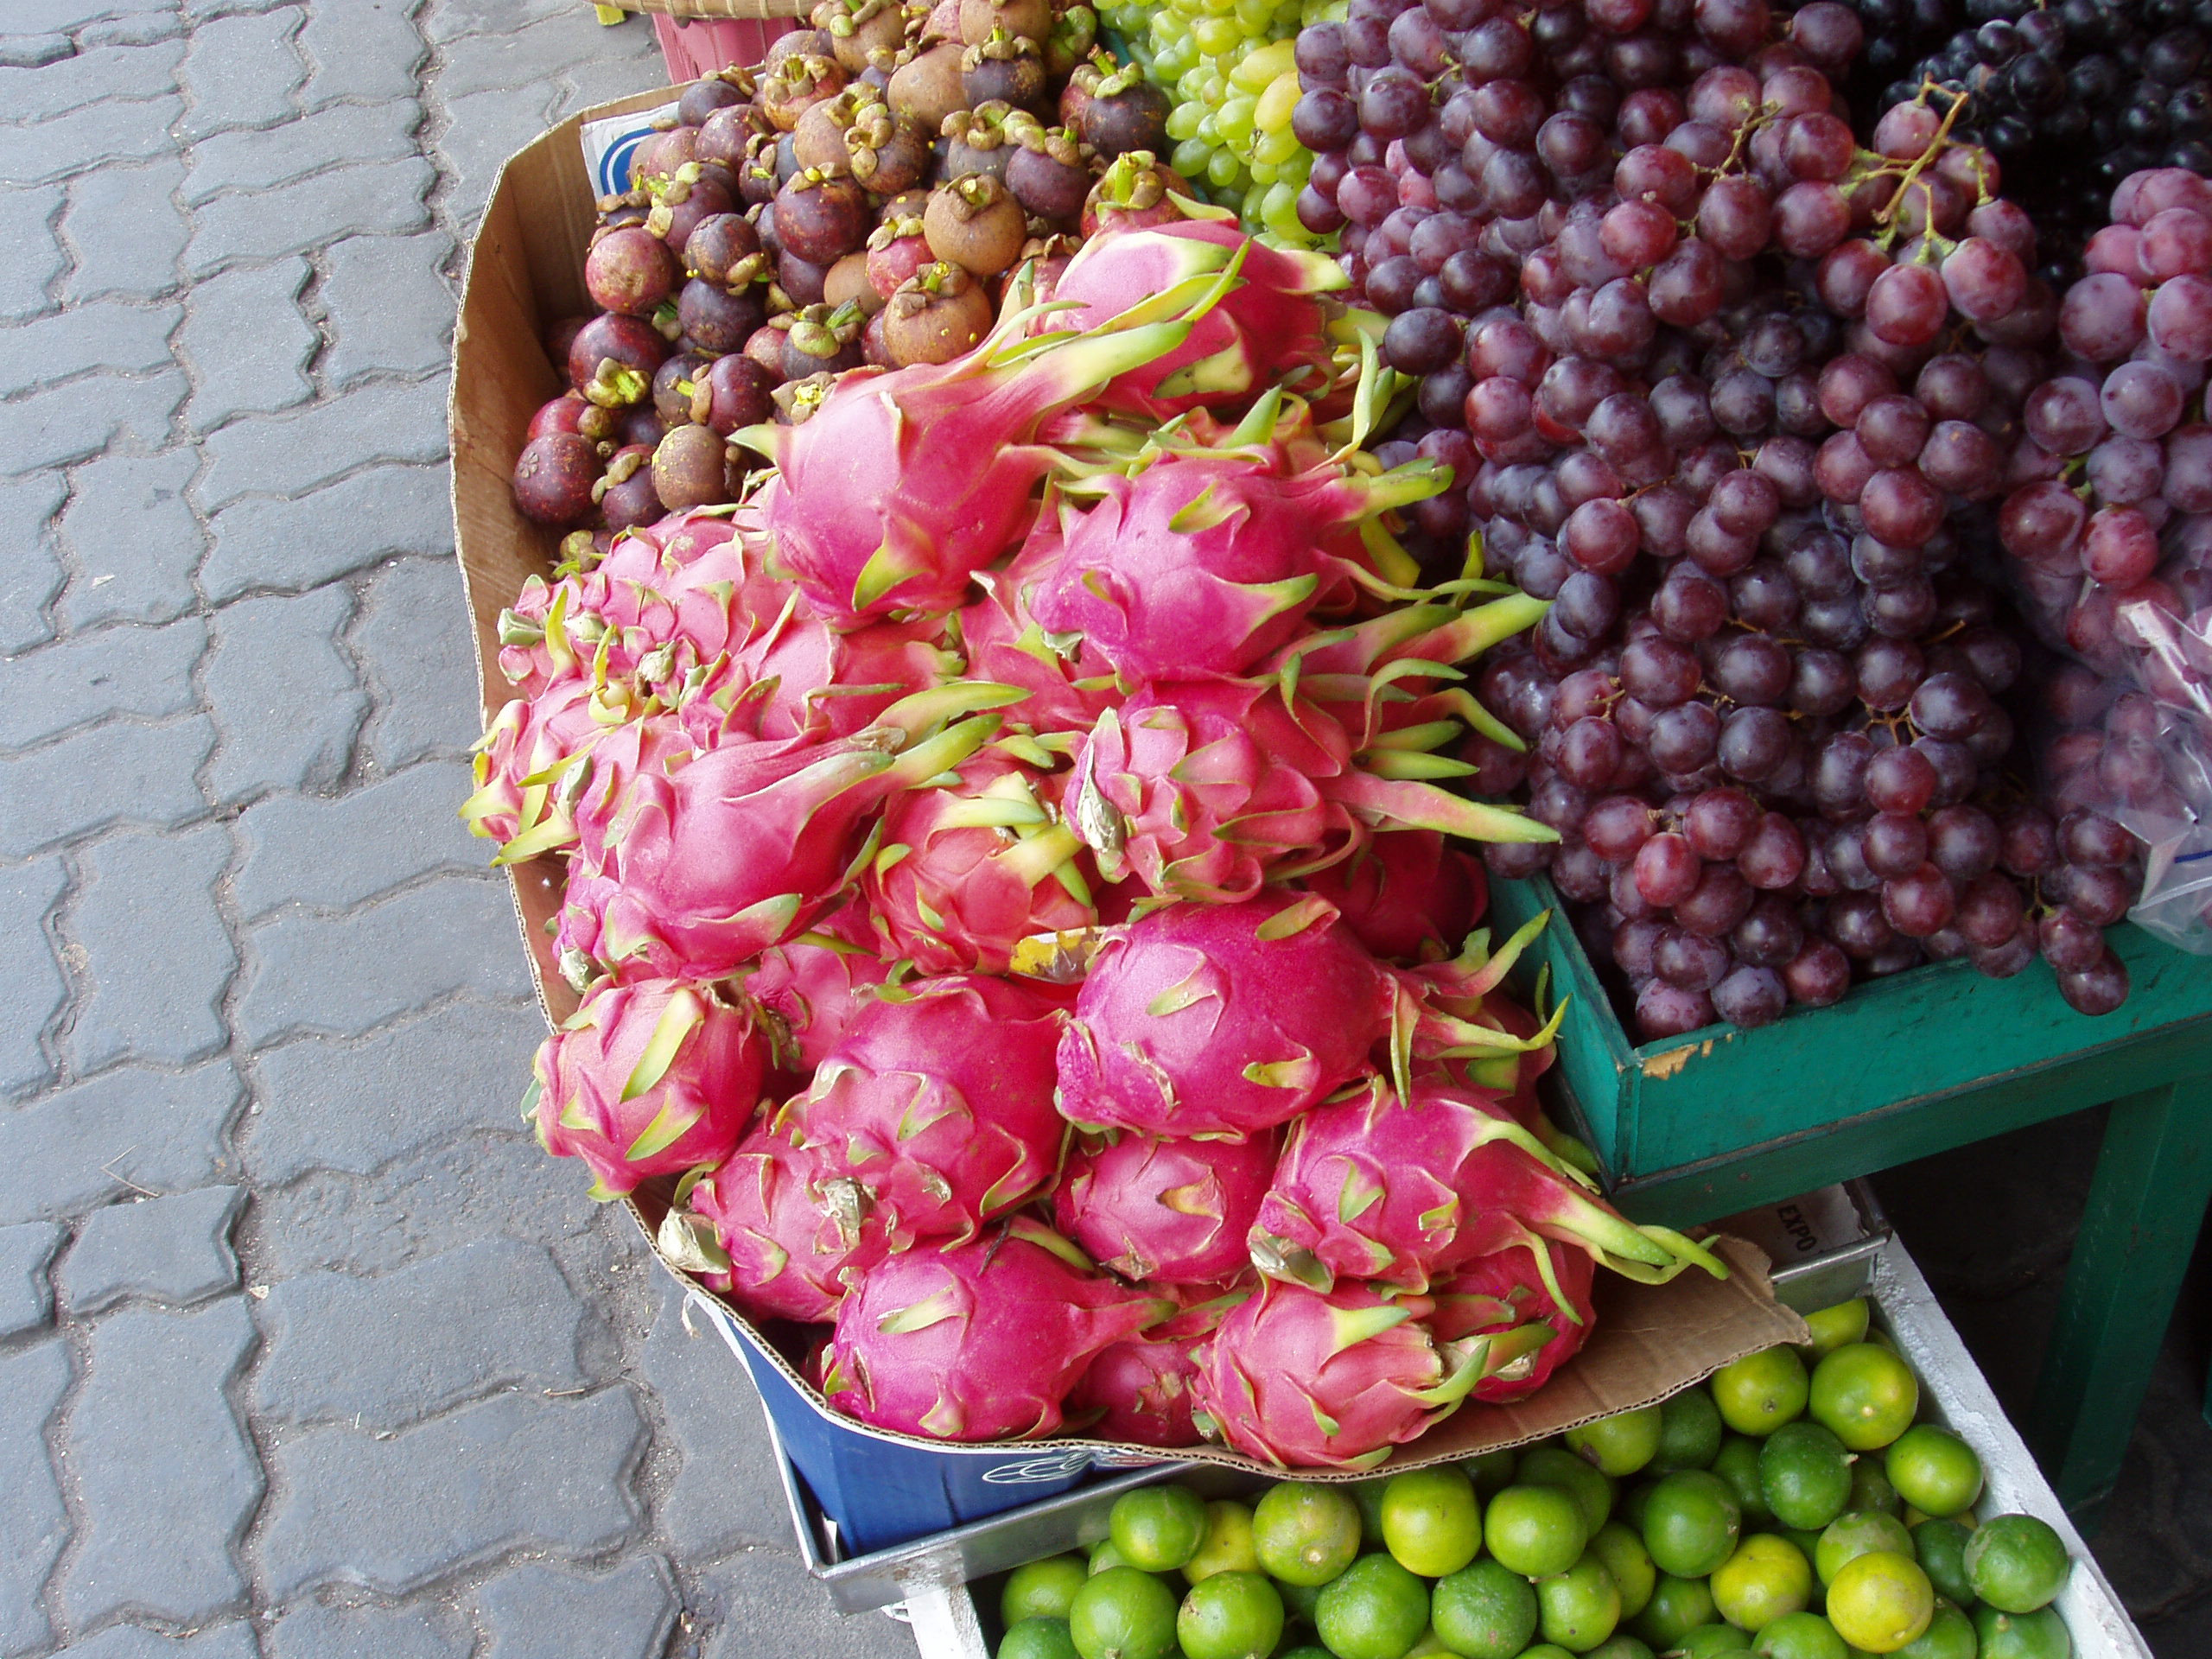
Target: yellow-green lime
(1042,1589)
(1554,1465)
(1856,1532)
(1230,1615)
(2039,1634)
(1833,1327)
(1038,1638)
(1621,1645)
(1691,1524)
(1738,1463)
(1765,1579)
(1432,1520)
(1940,1546)
(1431,1646)
(1934,1469)
(1622,1550)
(1620,1444)
(1714,1642)
(1122,1613)
(1484,1612)
(1367,1494)
(1804,1475)
(1689,1432)
(1228,1546)
(1865,1394)
(1949,1635)
(1760,1392)
(1373,1609)
(1105,1554)
(1677,1607)
(1580,1607)
(1799,1636)
(1547,1651)
(1305,1533)
(2016,1563)
(1536,1530)
(1158,1528)
(1870,1487)
(1880,1601)
(1491,1471)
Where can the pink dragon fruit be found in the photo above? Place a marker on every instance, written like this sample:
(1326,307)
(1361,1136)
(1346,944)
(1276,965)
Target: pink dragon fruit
(779,1231)
(647,1079)
(1533,1297)
(1139,1389)
(526,772)
(938,1101)
(1407,895)
(968,871)
(1171,1212)
(1069,682)
(1301,1379)
(809,989)
(980,1341)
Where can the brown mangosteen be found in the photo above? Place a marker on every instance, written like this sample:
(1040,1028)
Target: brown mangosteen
(1120,111)
(896,250)
(624,493)
(975,223)
(927,86)
(872,343)
(689,468)
(734,392)
(763,226)
(756,174)
(1030,19)
(976,141)
(822,216)
(1006,67)
(795,85)
(1134,192)
(819,138)
(680,201)
(717,318)
(1050,171)
(907,204)
(569,412)
(629,269)
(673,384)
(822,339)
(885,152)
(554,476)
(613,358)
(717,244)
(641,424)
(562,334)
(938,313)
(800,43)
(847,285)
(723,135)
(801,279)
(1074,34)
(856,27)
(665,152)
(941,22)
(765,348)
(724,90)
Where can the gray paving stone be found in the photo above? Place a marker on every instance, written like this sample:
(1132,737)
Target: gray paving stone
(248,343)
(482,130)
(36,16)
(31,575)
(489,1317)
(376,196)
(79,420)
(87,138)
(104,73)
(726,1494)
(316,1632)
(90,676)
(32,1519)
(156,958)
(600,79)
(175,1249)
(89,337)
(34,988)
(362,51)
(234,1641)
(766,1607)
(330,854)
(518,57)
(388,307)
(328,1106)
(80,1147)
(509,1473)
(25,1288)
(421,652)
(258,159)
(166,1476)
(448,20)
(542,1612)
(117,773)
(289,454)
(126,229)
(141,28)
(34,51)
(134,538)
(35,255)
(292,545)
(241,72)
(283,696)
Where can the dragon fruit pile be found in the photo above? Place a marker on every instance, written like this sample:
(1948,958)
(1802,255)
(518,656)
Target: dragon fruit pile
(1010,889)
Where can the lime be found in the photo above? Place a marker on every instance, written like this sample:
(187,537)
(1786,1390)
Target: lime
(1579,1608)
(1760,1392)
(1804,1475)
(1536,1530)
(1949,1635)
(1807,1542)
(2039,1634)
(1484,1611)
(1554,1466)
(1373,1609)
(1856,1532)
(1622,1552)
(1230,1615)
(1799,1636)
(1880,1601)
(1106,1553)
(1677,1607)
(1042,1589)
(1158,1528)
(1298,1601)
(1491,1471)
(1833,1327)
(1619,1444)
(1305,1533)
(1227,1547)
(1630,1510)
(1691,1524)
(2016,1563)
(1870,1487)
(1038,1638)
(1689,1433)
(1934,1469)
(1367,1494)
(1308,1651)
(1124,1614)
(1431,1520)
(1714,1642)
(1547,1651)
(1765,1579)
(1940,1546)
(1865,1394)
(1738,1463)
(1431,1646)
(1621,1645)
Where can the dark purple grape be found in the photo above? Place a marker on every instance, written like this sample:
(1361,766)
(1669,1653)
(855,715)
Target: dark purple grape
(2096,989)
(1751,997)
(1693,961)
(1665,1010)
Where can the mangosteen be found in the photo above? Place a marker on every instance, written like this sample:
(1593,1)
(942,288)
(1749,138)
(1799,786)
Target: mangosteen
(885,153)
(907,204)
(734,393)
(756,174)
(1132,194)
(1006,67)
(855,28)
(665,152)
(725,134)
(554,477)
(801,280)
(795,85)
(673,384)
(819,138)
(613,358)
(717,244)
(1049,171)
(976,141)
(796,400)
(821,217)
(720,177)
(847,285)
(630,270)
(718,318)
(1045,258)
(800,43)
(975,222)
(938,313)
(562,334)
(872,343)
(1119,110)
(688,468)
(562,414)
(896,250)
(927,86)
(880,63)
(640,425)
(822,339)
(730,87)
(787,167)
(1074,34)
(1030,19)
(765,348)
(625,494)
(681,201)
(763,226)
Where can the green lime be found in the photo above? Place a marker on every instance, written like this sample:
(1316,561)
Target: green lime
(1042,1589)
(1870,1487)
(1630,1510)
(1738,1463)
(1367,1494)
(2039,1634)
(1124,1614)
(1431,1646)
(1940,1546)
(1547,1651)
(1677,1607)
(1799,1636)
(1833,1327)
(1689,1432)
(1855,1533)
(1491,1471)
(1621,1645)
(1619,1444)
(1804,1475)
(1158,1528)
(1714,1642)
(1949,1635)
(1880,1601)
(1105,1554)
(1808,1544)
(1934,1469)
(1298,1601)
(1484,1611)
(1865,1394)
(1554,1466)
(1374,1610)
(1691,1524)
(1230,1615)
(1227,1547)
(1305,1533)
(1307,1651)
(2016,1563)
(1536,1530)
(1580,1607)
(1038,1638)
(1765,1579)
(1431,1520)
(1760,1392)
(1622,1552)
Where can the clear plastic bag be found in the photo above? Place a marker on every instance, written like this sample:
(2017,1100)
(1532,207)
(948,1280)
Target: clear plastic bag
(2174,665)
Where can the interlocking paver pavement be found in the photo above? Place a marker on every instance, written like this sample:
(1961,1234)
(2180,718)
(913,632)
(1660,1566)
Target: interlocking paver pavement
(307,1350)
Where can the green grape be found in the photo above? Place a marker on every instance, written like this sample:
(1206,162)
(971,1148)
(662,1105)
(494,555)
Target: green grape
(1278,148)
(1167,30)
(1215,34)
(1190,88)
(1263,173)
(1183,121)
(1271,112)
(1234,119)
(1279,212)
(1214,88)
(1192,157)
(1209,132)
(1223,170)
(1260,67)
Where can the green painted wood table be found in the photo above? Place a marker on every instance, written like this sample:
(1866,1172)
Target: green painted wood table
(1691,1129)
